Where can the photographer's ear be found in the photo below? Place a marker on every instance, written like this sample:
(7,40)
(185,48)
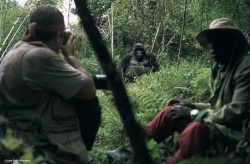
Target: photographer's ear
(58,37)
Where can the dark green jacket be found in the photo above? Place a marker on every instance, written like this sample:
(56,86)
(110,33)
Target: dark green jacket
(229,105)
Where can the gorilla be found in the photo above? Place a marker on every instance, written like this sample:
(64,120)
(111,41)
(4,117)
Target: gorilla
(137,63)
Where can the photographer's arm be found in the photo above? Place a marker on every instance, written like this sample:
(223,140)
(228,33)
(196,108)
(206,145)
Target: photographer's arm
(88,91)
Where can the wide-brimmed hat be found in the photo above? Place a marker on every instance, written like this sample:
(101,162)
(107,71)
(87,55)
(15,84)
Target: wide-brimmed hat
(224,24)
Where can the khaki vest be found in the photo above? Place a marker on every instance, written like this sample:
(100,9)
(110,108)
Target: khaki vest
(42,118)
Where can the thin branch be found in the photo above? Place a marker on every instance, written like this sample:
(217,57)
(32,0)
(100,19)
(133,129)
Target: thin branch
(157,32)
(182,31)
(3,21)
(7,37)
(112,29)
(167,44)
(68,13)
(13,36)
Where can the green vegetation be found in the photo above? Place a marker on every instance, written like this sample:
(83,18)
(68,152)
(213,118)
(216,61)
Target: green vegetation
(13,149)
(149,95)
(158,24)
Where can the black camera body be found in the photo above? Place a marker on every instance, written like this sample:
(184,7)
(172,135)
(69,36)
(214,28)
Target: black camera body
(66,35)
(101,82)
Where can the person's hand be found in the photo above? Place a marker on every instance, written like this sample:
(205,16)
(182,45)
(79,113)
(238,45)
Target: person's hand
(187,104)
(181,112)
(172,102)
(69,48)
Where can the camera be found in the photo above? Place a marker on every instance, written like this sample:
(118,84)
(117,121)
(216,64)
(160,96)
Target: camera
(66,35)
(101,82)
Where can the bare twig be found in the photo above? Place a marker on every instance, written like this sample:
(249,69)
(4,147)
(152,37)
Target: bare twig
(182,31)
(157,32)
(12,28)
(14,36)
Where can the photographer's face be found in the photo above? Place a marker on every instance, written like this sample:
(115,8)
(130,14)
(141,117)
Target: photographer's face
(221,45)
(58,42)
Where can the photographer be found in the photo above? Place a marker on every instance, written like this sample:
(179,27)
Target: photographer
(50,102)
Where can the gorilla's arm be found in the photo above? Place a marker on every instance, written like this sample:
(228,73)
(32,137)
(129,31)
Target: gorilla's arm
(125,63)
(153,62)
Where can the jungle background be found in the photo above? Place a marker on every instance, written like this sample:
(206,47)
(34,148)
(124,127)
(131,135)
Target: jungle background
(166,27)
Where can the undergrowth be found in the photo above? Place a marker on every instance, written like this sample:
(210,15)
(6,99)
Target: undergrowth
(148,95)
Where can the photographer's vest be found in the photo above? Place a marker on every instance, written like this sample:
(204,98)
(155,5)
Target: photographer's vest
(42,118)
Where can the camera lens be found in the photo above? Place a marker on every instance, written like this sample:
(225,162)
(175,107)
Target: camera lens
(101,81)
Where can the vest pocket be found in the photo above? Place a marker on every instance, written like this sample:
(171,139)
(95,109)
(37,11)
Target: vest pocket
(63,117)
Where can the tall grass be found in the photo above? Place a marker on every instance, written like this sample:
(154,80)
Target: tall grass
(149,95)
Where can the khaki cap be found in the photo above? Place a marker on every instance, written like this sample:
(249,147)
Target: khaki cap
(222,24)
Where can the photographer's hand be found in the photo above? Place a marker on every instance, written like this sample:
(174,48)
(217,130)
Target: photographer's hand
(88,91)
(68,49)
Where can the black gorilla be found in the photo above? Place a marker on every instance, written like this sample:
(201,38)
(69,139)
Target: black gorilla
(137,63)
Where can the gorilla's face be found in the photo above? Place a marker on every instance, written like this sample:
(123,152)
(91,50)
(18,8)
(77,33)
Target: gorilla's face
(139,54)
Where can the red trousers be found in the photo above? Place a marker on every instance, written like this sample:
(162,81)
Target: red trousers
(193,136)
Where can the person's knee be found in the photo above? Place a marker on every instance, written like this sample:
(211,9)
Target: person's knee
(198,124)
(166,111)
(197,127)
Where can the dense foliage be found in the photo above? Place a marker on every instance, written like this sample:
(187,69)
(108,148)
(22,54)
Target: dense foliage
(148,95)
(166,27)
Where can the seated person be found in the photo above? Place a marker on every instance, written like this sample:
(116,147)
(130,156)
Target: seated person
(137,63)
(229,105)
